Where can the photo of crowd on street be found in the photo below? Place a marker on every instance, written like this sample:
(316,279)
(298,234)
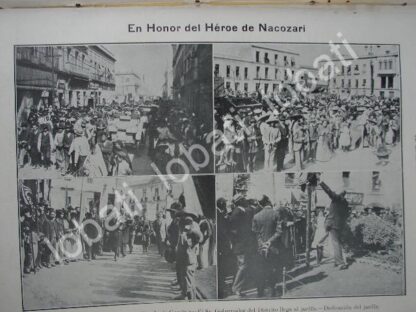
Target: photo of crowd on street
(113,110)
(310,234)
(100,241)
(292,107)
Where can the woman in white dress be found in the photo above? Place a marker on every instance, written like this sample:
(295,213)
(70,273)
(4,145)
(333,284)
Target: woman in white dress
(345,136)
(323,152)
(94,163)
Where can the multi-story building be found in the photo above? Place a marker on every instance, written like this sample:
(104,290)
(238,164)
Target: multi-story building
(375,73)
(128,86)
(192,80)
(70,75)
(244,68)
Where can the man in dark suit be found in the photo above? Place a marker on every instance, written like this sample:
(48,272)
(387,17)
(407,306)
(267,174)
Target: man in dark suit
(267,227)
(242,240)
(335,222)
(186,256)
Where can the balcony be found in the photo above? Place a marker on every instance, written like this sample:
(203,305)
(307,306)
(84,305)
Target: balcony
(76,69)
(37,57)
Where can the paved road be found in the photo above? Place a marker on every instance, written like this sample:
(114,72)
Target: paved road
(137,278)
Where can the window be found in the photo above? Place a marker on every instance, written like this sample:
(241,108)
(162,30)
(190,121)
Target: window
(266,87)
(257,86)
(356,83)
(236,86)
(245,72)
(246,87)
(364,68)
(364,82)
(292,62)
(276,71)
(349,70)
(275,87)
(237,71)
(266,72)
(257,72)
(342,70)
(380,64)
(385,64)
(346,178)
(227,85)
(266,58)
(275,58)
(228,71)
(376,181)
(383,82)
(349,83)
(357,68)
(217,70)
(390,64)
(390,82)
(257,56)
(285,60)
(68,54)
(334,81)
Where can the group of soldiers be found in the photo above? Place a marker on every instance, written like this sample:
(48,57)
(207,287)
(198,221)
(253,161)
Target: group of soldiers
(184,239)
(55,237)
(273,135)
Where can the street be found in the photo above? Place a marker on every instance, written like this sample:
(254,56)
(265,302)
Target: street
(139,158)
(360,279)
(137,278)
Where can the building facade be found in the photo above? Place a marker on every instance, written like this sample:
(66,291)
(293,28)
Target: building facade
(245,69)
(192,80)
(66,75)
(128,86)
(376,73)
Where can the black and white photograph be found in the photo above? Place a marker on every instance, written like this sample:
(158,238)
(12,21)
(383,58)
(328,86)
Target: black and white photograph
(108,241)
(310,234)
(113,110)
(293,107)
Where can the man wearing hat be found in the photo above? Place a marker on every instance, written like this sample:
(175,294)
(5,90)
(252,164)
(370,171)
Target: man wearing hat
(335,222)
(45,146)
(59,146)
(298,138)
(186,255)
(282,144)
(264,130)
(274,139)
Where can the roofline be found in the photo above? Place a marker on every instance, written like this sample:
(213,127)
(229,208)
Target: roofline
(363,57)
(104,50)
(128,73)
(277,50)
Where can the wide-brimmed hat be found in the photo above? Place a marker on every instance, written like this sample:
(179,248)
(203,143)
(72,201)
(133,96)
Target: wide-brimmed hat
(272,118)
(264,116)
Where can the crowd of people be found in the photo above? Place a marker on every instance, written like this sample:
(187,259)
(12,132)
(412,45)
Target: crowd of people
(85,141)
(275,136)
(184,239)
